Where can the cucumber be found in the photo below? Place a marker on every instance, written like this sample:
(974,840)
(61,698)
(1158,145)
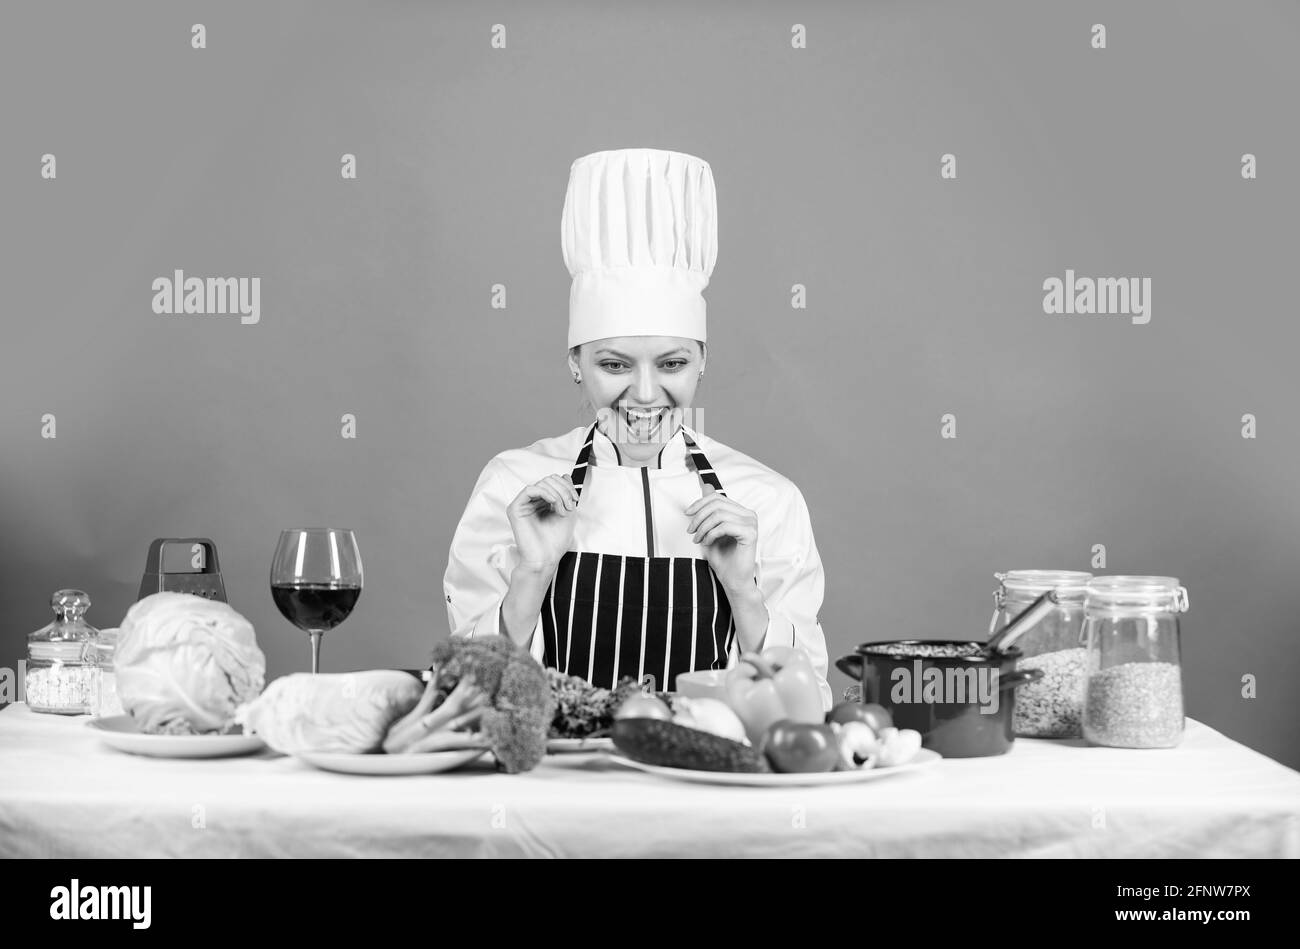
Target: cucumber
(654,741)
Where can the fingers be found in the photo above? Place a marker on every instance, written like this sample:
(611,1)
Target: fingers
(556,491)
(702,505)
(728,528)
(566,485)
(712,500)
(711,516)
(705,503)
(704,521)
(549,495)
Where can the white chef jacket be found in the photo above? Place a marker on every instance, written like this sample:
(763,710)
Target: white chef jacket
(612,520)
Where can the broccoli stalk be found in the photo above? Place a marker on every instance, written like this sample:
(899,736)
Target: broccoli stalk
(522,706)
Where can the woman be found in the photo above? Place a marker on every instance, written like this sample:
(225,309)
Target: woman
(637,545)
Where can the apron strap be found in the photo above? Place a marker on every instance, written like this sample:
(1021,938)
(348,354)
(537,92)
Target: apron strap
(579,473)
(702,466)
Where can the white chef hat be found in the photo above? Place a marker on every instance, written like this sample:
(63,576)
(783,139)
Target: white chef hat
(640,238)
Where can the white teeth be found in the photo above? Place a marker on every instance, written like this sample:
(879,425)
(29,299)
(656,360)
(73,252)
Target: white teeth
(643,423)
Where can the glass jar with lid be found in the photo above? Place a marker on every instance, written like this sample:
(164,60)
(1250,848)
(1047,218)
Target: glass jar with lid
(62,673)
(102,652)
(1052,707)
(1133,697)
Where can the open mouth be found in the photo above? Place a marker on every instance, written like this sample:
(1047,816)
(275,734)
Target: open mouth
(643,423)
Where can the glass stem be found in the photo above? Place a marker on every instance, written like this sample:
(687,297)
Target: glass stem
(315,650)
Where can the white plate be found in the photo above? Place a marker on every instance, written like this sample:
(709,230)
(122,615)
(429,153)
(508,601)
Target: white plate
(562,746)
(428,762)
(924,758)
(120,732)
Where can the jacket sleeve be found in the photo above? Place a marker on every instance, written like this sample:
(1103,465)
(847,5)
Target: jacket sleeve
(792,582)
(482,558)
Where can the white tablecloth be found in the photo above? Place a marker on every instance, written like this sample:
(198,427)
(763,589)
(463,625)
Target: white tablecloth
(64,794)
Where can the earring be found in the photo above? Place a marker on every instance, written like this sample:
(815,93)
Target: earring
(577,379)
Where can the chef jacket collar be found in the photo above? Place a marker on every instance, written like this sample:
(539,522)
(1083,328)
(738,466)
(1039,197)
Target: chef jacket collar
(672,455)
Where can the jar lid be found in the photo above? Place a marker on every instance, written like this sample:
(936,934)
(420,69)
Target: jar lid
(1138,591)
(74,602)
(57,651)
(69,624)
(1067,583)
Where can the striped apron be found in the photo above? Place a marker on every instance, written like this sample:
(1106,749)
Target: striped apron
(650,618)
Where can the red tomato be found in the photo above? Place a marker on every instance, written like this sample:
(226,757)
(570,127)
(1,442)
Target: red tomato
(798,747)
(877,716)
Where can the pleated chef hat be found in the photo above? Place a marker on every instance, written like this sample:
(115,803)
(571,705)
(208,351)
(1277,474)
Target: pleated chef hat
(640,238)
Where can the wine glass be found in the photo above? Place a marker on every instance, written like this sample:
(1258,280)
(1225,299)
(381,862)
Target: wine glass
(316,580)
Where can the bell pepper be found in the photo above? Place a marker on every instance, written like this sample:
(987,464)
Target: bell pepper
(777,684)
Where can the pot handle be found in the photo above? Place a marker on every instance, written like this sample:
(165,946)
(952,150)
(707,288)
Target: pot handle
(851,666)
(1021,677)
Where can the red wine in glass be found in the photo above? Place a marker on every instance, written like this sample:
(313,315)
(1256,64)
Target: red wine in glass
(315,605)
(316,580)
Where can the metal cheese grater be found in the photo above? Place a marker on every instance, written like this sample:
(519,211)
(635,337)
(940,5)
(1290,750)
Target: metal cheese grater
(206,583)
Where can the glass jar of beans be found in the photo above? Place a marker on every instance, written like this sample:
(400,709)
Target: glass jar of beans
(1052,707)
(1133,695)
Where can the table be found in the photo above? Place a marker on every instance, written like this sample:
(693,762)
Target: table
(65,794)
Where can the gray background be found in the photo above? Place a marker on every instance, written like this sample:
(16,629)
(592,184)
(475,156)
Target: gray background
(924,295)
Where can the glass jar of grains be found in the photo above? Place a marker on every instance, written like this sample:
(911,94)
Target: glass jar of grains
(1133,697)
(102,652)
(1052,707)
(62,673)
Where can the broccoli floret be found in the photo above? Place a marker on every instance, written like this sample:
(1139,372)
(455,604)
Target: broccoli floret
(521,715)
(522,705)
(485,656)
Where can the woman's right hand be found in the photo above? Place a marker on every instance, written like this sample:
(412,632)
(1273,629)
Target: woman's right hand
(542,516)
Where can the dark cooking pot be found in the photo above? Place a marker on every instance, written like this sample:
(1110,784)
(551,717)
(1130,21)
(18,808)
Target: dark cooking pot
(957,696)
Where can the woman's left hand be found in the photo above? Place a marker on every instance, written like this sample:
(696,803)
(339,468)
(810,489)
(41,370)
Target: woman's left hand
(729,533)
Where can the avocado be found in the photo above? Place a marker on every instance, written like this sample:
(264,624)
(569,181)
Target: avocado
(654,741)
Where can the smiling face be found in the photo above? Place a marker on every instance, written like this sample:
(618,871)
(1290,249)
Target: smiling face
(635,383)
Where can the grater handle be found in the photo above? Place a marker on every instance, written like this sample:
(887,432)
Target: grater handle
(210,565)
(155,581)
